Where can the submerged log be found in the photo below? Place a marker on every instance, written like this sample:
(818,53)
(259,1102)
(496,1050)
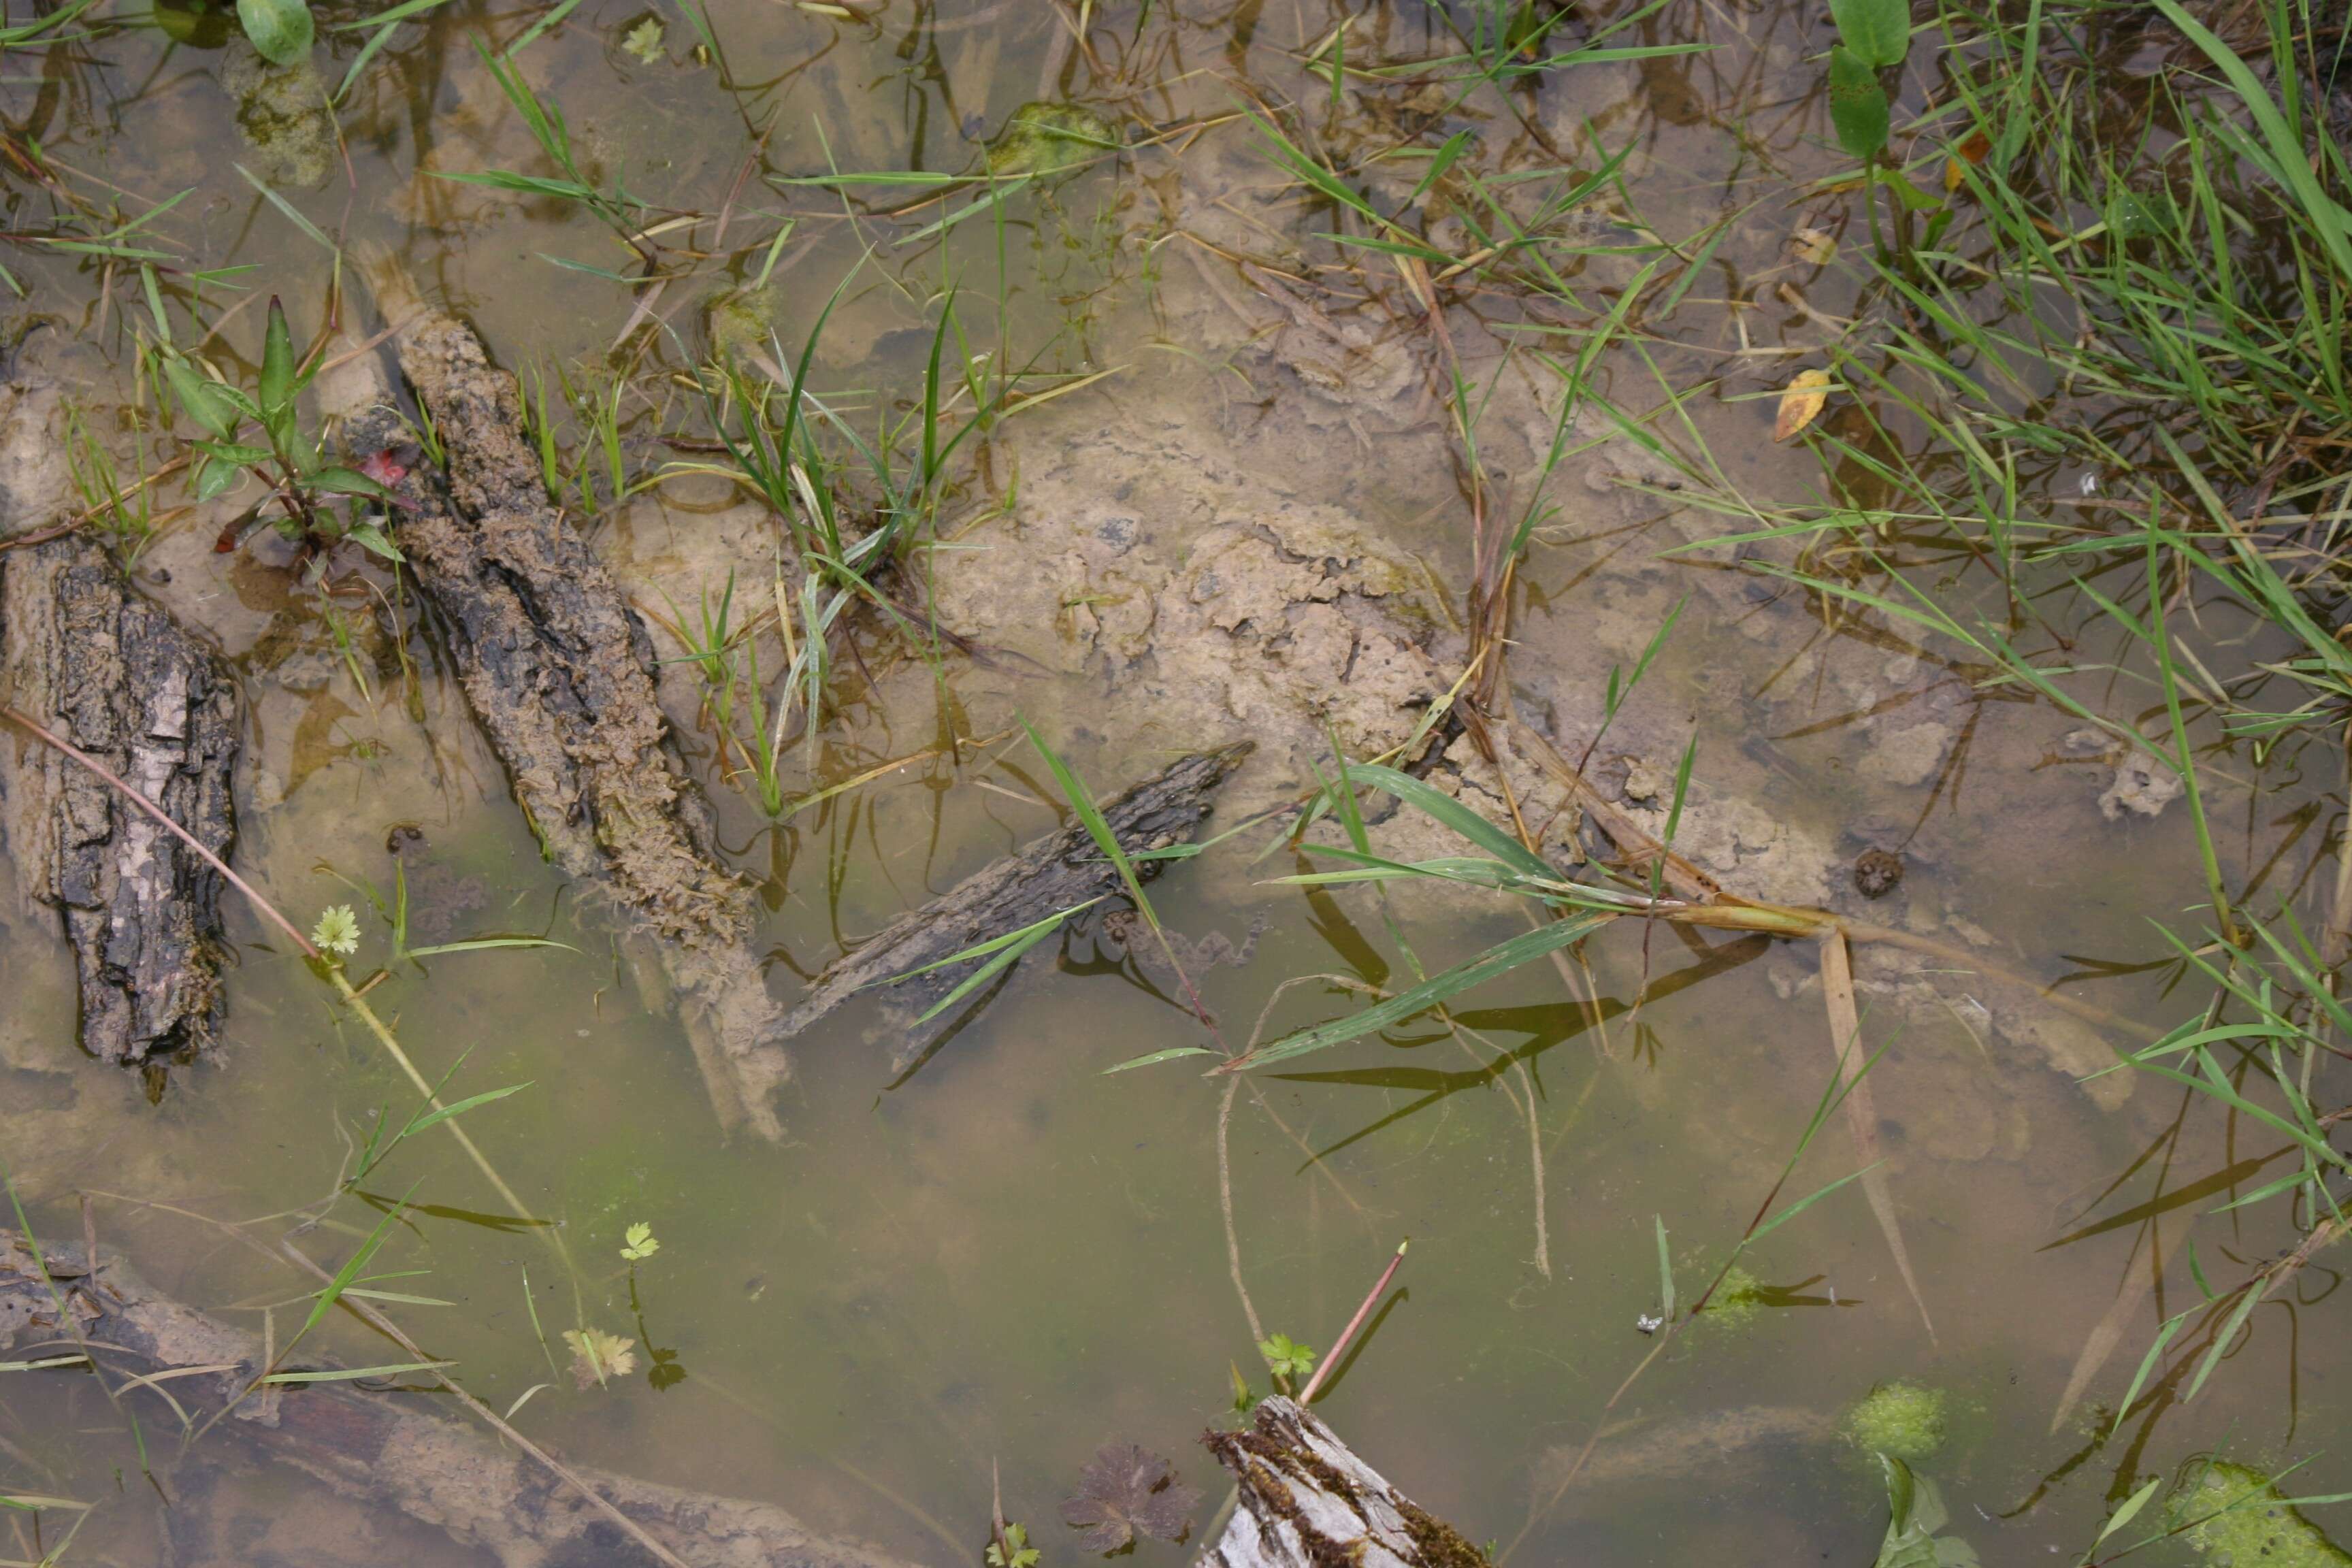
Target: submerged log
(380,1447)
(86,657)
(1303,1500)
(560,673)
(1056,872)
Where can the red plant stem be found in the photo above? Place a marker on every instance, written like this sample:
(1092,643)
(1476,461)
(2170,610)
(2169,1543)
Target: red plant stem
(158,813)
(1353,1324)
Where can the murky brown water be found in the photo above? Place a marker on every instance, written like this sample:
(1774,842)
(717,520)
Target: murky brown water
(1007,1260)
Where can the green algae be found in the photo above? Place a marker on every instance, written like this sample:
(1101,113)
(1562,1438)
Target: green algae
(1048,138)
(2242,1519)
(1738,1301)
(282,114)
(1901,1419)
(741,320)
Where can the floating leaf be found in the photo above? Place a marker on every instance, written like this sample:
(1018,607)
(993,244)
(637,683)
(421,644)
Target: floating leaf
(599,1357)
(280,30)
(1126,1492)
(641,1241)
(1802,403)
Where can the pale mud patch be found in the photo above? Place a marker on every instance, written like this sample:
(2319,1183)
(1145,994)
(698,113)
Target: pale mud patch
(1200,604)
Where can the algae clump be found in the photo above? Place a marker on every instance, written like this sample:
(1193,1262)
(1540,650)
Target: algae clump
(2242,1519)
(1738,1301)
(1901,1419)
(741,320)
(1047,138)
(283,117)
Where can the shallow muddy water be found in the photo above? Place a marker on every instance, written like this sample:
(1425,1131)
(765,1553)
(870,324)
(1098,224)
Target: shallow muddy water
(967,1277)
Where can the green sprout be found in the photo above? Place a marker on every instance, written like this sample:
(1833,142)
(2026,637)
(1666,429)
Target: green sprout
(1286,1357)
(1014,1551)
(642,1243)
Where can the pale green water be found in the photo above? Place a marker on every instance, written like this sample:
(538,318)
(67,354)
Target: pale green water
(1008,1259)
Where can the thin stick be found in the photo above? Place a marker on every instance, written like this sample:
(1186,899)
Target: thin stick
(1354,1323)
(392,1331)
(334,971)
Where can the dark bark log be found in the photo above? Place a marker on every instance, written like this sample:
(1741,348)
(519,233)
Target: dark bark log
(1057,871)
(382,1446)
(89,659)
(559,671)
(1303,1500)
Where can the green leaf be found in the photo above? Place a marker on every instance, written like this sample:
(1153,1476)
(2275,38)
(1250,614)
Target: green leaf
(1915,1512)
(1665,1275)
(1857,104)
(200,397)
(2132,1505)
(216,477)
(280,30)
(1451,812)
(345,1375)
(462,1106)
(277,369)
(1877,32)
(349,483)
(1170,1054)
(1500,959)
(371,538)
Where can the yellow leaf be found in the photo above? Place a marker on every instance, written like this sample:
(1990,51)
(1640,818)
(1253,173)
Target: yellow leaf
(1800,405)
(1814,247)
(598,1357)
(1954,175)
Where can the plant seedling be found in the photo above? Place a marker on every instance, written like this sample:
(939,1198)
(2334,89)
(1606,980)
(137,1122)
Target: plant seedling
(290,464)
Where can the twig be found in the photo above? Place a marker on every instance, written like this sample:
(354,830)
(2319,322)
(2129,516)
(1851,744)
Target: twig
(1339,1349)
(392,1331)
(334,972)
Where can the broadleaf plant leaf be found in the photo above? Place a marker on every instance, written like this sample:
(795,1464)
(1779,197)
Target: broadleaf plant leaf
(1858,109)
(1877,32)
(280,30)
(201,397)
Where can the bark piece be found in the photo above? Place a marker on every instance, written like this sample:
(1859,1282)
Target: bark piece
(85,654)
(1304,1501)
(1056,872)
(560,673)
(383,1448)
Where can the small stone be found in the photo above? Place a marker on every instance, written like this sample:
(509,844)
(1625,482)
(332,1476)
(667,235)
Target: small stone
(1877,872)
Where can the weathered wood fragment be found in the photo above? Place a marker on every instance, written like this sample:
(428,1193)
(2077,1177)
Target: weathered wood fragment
(560,673)
(1056,872)
(382,1447)
(84,656)
(1304,1501)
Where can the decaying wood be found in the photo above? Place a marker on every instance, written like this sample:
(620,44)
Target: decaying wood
(1304,1501)
(84,654)
(560,673)
(1058,872)
(383,1448)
